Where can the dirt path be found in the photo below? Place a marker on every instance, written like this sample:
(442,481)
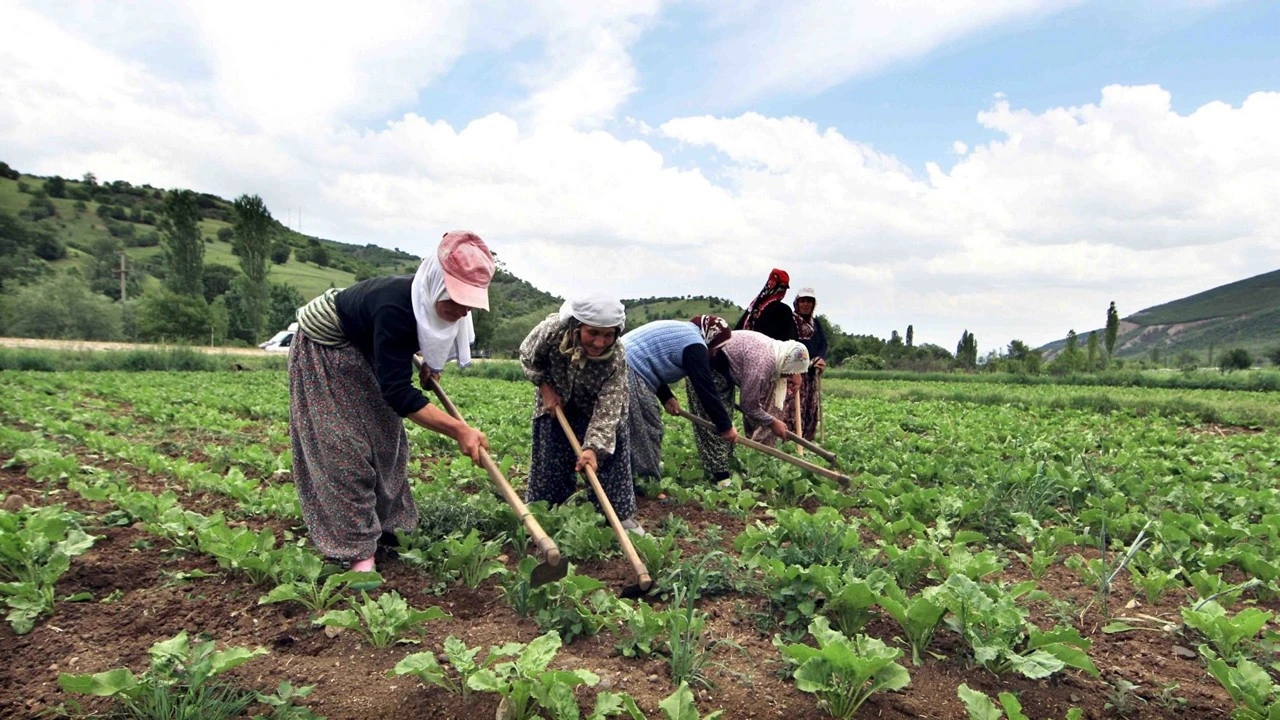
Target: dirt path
(83,345)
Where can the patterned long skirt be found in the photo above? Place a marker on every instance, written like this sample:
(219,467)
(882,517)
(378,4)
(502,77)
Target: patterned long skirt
(350,451)
(810,404)
(644,425)
(716,454)
(551,474)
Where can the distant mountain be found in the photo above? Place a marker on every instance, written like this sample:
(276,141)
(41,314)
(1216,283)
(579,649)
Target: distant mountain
(1243,314)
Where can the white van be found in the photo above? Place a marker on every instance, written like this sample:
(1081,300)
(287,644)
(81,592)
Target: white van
(281,340)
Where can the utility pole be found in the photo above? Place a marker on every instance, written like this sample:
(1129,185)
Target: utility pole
(123,272)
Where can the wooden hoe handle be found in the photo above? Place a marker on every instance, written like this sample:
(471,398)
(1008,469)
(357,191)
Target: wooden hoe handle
(748,442)
(642,573)
(546,546)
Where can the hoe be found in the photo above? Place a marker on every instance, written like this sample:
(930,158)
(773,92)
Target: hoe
(551,566)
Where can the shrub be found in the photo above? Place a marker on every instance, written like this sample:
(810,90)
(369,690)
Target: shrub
(59,307)
(1235,359)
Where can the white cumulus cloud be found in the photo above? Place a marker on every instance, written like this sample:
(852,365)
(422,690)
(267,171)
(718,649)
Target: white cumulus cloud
(1117,198)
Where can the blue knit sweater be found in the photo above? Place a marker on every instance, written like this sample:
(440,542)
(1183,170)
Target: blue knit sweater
(663,351)
(654,350)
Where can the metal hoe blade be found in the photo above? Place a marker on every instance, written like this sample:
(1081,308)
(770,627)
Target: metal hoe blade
(544,573)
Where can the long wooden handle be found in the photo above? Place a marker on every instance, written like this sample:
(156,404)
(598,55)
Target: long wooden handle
(748,442)
(642,573)
(799,433)
(822,421)
(823,452)
(546,546)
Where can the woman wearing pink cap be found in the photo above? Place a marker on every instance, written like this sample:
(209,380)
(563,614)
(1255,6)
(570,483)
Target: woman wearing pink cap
(351,385)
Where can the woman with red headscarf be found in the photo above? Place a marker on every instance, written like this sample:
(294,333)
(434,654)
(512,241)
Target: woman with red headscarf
(768,314)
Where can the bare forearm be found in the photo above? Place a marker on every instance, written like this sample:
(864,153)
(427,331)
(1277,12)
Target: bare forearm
(433,418)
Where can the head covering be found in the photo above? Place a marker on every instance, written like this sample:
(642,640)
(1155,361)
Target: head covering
(715,331)
(597,309)
(792,358)
(468,268)
(804,323)
(775,288)
(439,340)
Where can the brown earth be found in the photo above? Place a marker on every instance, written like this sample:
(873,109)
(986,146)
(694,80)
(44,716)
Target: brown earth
(135,572)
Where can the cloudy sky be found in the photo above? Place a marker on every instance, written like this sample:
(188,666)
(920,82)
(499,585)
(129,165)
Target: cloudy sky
(1005,166)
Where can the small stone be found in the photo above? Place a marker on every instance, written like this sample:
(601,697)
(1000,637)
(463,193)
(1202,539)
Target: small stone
(14,503)
(606,683)
(653,678)
(332,631)
(503,558)
(1075,697)
(1184,653)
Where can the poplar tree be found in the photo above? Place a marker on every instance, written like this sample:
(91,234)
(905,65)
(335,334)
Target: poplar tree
(253,228)
(183,246)
(1113,329)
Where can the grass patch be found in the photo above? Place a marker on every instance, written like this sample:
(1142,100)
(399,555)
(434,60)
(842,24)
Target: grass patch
(1246,381)
(172,359)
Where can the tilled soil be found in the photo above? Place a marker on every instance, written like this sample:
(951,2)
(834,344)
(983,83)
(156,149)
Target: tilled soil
(138,599)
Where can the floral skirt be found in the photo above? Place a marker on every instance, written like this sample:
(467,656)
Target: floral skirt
(644,425)
(350,451)
(551,474)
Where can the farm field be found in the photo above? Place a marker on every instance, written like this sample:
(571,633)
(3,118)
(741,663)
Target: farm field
(1091,552)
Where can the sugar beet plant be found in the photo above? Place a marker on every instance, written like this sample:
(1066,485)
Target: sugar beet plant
(1228,634)
(305,582)
(980,707)
(918,615)
(1256,696)
(382,622)
(843,672)
(182,682)
(1002,639)
(467,559)
(526,684)
(36,547)
(527,687)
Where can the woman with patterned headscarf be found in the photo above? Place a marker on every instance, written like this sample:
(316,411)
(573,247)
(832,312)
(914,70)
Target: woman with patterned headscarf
(573,359)
(658,354)
(768,314)
(809,331)
(764,369)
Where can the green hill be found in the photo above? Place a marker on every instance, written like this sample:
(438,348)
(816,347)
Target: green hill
(1243,314)
(90,212)
(86,215)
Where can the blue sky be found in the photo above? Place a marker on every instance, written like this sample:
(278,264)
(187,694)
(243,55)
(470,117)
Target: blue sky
(915,108)
(669,148)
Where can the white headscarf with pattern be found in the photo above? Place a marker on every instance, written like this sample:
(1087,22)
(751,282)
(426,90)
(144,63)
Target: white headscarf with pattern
(792,358)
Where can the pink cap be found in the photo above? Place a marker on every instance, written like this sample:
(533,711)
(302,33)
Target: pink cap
(468,268)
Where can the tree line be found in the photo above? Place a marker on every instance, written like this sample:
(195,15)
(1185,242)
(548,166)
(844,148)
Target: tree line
(103,299)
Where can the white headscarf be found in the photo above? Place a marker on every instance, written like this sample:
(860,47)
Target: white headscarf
(597,310)
(438,339)
(792,358)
